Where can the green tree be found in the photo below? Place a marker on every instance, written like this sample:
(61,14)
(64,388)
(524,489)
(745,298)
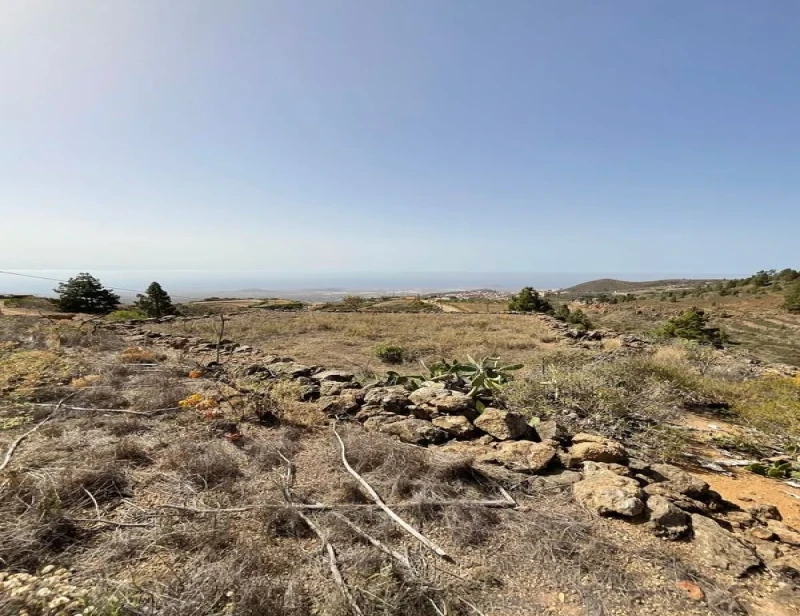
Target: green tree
(792,298)
(529,300)
(156,302)
(761,279)
(692,324)
(84,293)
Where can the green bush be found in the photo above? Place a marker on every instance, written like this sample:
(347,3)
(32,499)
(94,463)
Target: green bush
(792,298)
(126,315)
(529,300)
(390,354)
(692,325)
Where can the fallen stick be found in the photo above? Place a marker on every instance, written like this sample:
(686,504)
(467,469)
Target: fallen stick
(16,443)
(491,504)
(333,563)
(402,559)
(113,523)
(125,411)
(379,501)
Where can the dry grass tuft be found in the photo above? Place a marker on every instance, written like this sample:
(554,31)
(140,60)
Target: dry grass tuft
(206,465)
(132,451)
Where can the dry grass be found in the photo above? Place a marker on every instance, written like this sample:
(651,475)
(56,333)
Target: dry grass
(348,340)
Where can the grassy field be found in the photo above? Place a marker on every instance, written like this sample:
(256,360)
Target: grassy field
(349,340)
(756,323)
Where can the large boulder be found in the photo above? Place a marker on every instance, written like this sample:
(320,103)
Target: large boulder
(417,431)
(433,400)
(503,425)
(666,520)
(455,425)
(607,493)
(680,481)
(522,456)
(716,547)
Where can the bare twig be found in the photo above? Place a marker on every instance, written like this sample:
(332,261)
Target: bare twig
(123,411)
(16,443)
(491,504)
(379,501)
(401,558)
(113,523)
(94,500)
(326,545)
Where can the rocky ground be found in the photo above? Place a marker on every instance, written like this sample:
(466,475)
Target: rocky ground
(526,519)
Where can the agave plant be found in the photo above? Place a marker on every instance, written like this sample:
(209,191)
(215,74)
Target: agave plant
(480,378)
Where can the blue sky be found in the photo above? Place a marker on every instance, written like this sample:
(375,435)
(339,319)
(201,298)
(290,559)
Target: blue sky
(333,136)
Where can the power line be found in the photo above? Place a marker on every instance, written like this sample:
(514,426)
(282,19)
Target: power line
(65,281)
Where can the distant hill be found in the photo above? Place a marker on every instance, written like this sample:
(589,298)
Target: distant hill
(610,285)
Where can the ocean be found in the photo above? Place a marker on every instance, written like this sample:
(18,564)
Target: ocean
(194,284)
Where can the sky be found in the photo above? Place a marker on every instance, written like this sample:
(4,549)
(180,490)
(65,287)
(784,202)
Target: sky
(415,136)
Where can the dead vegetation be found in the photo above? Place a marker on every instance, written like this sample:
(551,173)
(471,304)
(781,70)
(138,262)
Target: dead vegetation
(348,340)
(160,513)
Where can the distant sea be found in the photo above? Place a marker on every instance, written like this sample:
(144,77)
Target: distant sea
(188,284)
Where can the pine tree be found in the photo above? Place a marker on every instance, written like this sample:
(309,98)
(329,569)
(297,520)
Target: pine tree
(529,300)
(156,302)
(693,324)
(84,293)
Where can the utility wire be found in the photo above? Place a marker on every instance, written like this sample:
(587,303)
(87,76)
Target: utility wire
(194,299)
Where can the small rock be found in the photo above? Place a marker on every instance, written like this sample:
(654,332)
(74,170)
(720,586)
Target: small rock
(763,512)
(692,590)
(679,500)
(551,430)
(502,425)
(417,431)
(737,519)
(457,425)
(666,520)
(333,375)
(762,533)
(393,398)
(522,456)
(590,468)
(716,547)
(431,401)
(559,478)
(334,388)
(594,451)
(788,566)
(680,481)
(608,493)
(785,534)
(376,422)
(344,404)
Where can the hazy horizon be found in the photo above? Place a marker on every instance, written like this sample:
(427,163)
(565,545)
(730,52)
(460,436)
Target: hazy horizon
(194,283)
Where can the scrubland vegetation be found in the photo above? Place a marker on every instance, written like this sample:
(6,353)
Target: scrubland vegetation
(142,477)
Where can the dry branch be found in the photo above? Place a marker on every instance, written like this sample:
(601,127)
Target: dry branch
(401,558)
(379,501)
(333,563)
(16,443)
